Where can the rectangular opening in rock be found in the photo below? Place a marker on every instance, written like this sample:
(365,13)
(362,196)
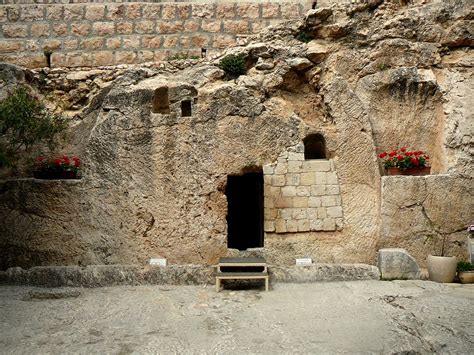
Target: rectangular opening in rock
(186,108)
(161,102)
(245,211)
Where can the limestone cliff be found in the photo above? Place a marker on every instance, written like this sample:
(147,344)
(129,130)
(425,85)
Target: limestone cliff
(373,76)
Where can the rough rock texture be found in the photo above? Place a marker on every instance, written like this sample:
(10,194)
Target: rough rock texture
(426,214)
(108,275)
(324,272)
(397,264)
(115,275)
(154,179)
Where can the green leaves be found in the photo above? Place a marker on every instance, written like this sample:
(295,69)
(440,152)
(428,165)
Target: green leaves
(233,65)
(465,266)
(304,37)
(24,122)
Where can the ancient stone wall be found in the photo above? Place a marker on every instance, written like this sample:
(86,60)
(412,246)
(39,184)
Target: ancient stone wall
(301,195)
(109,33)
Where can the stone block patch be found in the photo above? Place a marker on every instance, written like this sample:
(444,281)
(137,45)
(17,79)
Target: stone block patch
(301,195)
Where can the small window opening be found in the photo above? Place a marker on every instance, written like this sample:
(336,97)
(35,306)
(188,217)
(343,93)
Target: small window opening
(314,147)
(203,52)
(314,4)
(47,55)
(186,108)
(161,102)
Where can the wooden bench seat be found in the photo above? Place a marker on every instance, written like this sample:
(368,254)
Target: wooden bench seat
(238,272)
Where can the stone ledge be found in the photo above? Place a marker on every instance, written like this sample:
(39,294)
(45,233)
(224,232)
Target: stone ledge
(324,272)
(108,275)
(116,275)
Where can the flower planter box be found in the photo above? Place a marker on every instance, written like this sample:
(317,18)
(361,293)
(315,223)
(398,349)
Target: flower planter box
(410,171)
(63,168)
(62,175)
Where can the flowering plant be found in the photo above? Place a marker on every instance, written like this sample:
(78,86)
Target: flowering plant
(404,159)
(57,168)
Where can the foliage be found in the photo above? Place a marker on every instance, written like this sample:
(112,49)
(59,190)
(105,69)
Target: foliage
(304,37)
(24,122)
(465,266)
(54,168)
(382,66)
(404,159)
(233,65)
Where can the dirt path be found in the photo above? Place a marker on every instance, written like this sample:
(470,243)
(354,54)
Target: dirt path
(340,317)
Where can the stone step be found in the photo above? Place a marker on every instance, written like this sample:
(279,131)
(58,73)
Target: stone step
(242,275)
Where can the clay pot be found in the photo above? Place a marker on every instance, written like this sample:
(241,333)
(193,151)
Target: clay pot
(442,268)
(466,277)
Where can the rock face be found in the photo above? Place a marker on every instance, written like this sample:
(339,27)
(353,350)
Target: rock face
(426,215)
(159,145)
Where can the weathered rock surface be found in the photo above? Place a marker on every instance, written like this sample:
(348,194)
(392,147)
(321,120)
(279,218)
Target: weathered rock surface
(154,179)
(115,275)
(425,214)
(324,272)
(397,264)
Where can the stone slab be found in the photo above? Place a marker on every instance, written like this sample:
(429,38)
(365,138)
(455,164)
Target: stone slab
(397,264)
(117,275)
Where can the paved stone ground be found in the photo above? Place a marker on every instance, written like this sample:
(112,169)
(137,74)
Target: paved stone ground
(339,317)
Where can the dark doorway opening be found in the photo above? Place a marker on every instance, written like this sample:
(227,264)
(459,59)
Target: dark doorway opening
(186,108)
(245,211)
(314,147)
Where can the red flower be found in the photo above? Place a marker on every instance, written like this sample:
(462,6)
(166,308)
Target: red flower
(393,153)
(399,157)
(66,160)
(414,161)
(383,155)
(404,149)
(77,161)
(57,162)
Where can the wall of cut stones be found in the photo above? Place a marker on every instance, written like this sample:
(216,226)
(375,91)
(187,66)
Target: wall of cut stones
(109,33)
(301,195)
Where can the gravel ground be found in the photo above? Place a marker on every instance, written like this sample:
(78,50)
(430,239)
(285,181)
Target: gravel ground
(340,317)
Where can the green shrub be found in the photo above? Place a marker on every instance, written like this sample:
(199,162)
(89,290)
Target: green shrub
(24,122)
(233,65)
(304,37)
(465,266)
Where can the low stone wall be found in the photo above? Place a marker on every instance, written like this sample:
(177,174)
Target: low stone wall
(136,32)
(115,275)
(419,212)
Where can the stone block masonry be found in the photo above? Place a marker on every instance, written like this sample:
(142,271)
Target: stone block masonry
(109,33)
(301,195)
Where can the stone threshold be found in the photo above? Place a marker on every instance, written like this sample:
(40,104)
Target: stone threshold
(117,275)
